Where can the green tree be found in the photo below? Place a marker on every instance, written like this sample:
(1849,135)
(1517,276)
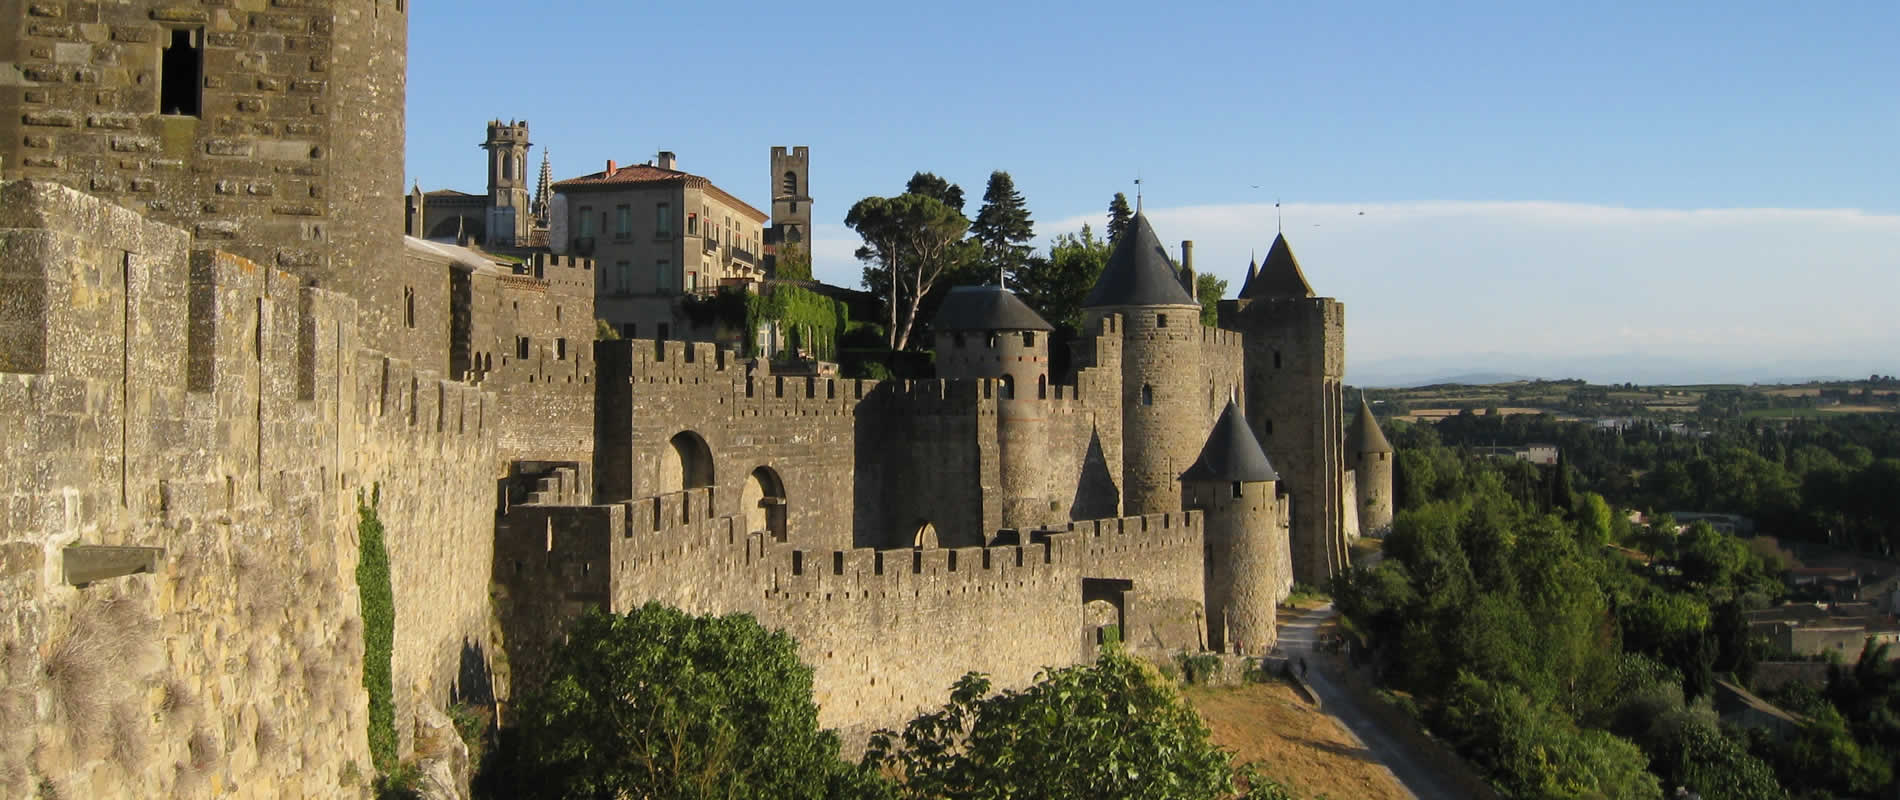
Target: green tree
(910,241)
(1209,289)
(661,704)
(1055,286)
(1119,217)
(1002,226)
(1114,729)
(929,185)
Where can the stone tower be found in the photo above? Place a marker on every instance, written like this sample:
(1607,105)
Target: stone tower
(986,332)
(791,196)
(228,123)
(1162,417)
(510,206)
(1235,487)
(1370,456)
(1295,361)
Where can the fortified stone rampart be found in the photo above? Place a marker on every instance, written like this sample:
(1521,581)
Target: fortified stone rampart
(223,413)
(886,631)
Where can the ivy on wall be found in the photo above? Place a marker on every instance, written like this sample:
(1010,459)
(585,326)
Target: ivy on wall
(811,321)
(379,630)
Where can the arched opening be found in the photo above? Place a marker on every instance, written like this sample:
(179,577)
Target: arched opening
(685,464)
(1006,388)
(791,183)
(1042,387)
(925,537)
(764,503)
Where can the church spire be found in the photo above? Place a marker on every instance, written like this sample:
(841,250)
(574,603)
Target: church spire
(542,195)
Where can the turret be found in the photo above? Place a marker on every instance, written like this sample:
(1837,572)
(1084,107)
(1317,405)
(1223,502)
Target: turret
(510,209)
(1370,456)
(986,332)
(1161,364)
(1248,563)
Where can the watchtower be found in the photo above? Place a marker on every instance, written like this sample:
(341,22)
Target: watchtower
(510,206)
(1370,456)
(1295,347)
(1161,365)
(1235,488)
(986,332)
(275,133)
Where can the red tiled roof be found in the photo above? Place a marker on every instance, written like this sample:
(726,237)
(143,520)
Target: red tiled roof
(635,174)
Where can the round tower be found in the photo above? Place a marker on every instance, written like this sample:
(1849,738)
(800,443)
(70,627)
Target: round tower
(1162,417)
(986,332)
(1370,457)
(1236,490)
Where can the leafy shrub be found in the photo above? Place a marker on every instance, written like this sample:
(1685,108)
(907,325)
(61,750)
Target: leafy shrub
(379,630)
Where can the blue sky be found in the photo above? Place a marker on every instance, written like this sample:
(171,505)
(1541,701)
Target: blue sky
(1510,156)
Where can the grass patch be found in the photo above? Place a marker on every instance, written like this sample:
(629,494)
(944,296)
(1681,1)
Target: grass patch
(379,630)
(1305,595)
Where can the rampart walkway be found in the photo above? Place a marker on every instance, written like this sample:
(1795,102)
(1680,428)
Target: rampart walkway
(1415,771)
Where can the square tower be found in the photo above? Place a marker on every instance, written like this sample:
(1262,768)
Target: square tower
(791,196)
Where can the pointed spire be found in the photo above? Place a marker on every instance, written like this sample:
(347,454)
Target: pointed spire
(1253,268)
(1364,435)
(542,194)
(1138,273)
(1231,453)
(1280,275)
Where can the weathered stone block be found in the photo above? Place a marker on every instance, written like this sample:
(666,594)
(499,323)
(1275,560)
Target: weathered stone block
(86,564)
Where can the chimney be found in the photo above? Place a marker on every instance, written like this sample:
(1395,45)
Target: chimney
(666,159)
(1187,253)
(610,168)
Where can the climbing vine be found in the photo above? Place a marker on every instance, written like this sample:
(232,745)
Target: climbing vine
(811,320)
(379,629)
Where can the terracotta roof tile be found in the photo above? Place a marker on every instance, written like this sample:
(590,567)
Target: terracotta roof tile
(637,174)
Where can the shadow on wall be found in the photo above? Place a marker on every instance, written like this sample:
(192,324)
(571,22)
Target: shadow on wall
(1096,496)
(474,681)
(868,527)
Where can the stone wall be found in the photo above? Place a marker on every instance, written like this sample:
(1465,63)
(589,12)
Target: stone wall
(886,631)
(224,412)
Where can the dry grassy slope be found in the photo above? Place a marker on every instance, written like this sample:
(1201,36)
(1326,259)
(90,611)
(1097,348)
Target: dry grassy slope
(1299,746)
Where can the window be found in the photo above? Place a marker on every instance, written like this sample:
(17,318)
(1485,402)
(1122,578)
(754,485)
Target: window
(956,340)
(1276,359)
(692,281)
(587,222)
(1266,427)
(522,346)
(1029,338)
(664,269)
(623,277)
(791,183)
(663,220)
(630,330)
(1007,388)
(408,307)
(1147,395)
(692,224)
(1236,490)
(181,73)
(560,349)
(623,222)
(1161,320)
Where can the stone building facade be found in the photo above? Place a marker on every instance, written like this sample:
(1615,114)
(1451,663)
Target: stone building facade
(658,234)
(217,345)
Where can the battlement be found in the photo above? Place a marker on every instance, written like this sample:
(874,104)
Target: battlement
(1221,337)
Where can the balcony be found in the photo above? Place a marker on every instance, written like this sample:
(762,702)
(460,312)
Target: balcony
(743,256)
(709,244)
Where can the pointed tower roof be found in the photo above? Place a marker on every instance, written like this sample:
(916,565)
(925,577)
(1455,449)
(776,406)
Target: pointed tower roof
(1364,435)
(986,308)
(1280,274)
(1232,453)
(1138,272)
(1253,269)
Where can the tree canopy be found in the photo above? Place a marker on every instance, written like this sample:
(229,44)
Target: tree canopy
(1002,226)
(1056,285)
(1119,217)
(657,703)
(929,185)
(910,242)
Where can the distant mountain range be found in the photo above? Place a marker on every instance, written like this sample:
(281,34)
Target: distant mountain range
(1482,369)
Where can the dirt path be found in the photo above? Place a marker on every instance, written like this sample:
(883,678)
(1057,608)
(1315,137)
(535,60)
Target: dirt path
(1298,634)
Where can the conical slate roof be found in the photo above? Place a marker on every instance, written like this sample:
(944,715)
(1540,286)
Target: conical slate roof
(1138,272)
(1232,453)
(986,308)
(1280,275)
(1253,269)
(1364,435)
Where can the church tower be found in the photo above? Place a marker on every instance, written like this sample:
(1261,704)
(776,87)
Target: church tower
(1235,488)
(1295,344)
(791,202)
(1163,414)
(510,210)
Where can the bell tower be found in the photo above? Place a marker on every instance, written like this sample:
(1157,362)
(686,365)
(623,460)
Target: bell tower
(791,199)
(510,209)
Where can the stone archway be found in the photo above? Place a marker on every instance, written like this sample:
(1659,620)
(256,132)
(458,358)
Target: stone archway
(763,501)
(685,463)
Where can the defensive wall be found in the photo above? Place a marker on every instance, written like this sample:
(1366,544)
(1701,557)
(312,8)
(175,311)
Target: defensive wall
(886,630)
(225,414)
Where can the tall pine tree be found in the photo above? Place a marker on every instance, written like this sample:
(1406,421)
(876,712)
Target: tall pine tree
(1119,215)
(1002,226)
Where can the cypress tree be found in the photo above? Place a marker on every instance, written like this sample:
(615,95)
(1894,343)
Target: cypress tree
(1002,226)
(1119,215)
